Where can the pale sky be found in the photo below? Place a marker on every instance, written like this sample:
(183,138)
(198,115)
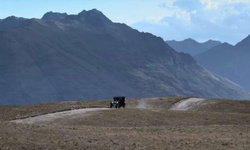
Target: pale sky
(224,20)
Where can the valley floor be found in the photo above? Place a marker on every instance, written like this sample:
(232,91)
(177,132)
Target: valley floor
(144,124)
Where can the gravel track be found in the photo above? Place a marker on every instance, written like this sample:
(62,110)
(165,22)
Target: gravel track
(57,115)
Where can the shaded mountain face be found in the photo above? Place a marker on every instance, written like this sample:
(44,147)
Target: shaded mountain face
(229,61)
(191,46)
(86,56)
(244,45)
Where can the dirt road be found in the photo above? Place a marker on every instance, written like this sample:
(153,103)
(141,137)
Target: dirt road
(53,116)
(182,105)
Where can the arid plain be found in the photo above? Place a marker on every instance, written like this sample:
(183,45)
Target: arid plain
(143,124)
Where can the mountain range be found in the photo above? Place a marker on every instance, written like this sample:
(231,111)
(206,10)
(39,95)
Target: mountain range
(191,46)
(86,56)
(229,61)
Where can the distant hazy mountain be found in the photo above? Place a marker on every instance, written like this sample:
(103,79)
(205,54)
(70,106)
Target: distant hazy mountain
(86,56)
(191,46)
(229,61)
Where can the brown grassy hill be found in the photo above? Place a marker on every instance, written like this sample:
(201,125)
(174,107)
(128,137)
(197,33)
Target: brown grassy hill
(144,124)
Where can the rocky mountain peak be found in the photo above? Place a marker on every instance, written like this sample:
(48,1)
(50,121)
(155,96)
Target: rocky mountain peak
(226,44)
(54,16)
(211,43)
(189,40)
(93,11)
(93,17)
(13,19)
(192,47)
(12,22)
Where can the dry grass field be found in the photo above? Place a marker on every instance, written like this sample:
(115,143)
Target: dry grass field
(143,124)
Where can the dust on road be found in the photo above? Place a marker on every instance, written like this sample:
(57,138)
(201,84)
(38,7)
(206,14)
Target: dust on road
(187,104)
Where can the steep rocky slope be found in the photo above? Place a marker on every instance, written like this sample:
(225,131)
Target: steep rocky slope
(87,56)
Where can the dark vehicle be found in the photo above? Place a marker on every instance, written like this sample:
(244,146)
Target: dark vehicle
(118,102)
